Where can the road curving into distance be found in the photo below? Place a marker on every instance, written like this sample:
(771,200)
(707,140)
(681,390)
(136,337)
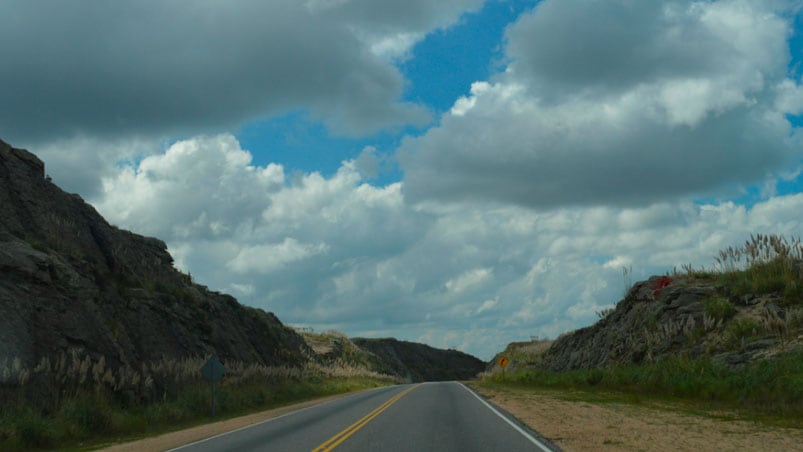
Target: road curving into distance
(445,416)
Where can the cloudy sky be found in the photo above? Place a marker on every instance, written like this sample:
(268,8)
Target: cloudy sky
(463,173)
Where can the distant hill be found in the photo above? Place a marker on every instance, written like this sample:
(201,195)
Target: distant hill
(419,362)
(409,361)
(72,284)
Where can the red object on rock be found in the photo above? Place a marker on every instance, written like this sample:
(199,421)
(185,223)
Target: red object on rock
(660,284)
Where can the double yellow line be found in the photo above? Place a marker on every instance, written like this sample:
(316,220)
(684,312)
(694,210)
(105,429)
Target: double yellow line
(336,440)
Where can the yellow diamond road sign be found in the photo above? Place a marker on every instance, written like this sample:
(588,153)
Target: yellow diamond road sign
(502,361)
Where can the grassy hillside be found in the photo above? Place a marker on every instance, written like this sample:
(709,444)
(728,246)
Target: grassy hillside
(406,361)
(419,362)
(731,335)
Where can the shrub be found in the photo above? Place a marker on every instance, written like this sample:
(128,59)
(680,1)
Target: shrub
(719,308)
(594,377)
(30,430)
(742,329)
(86,415)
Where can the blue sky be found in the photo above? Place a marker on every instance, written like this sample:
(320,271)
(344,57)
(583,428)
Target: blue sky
(463,173)
(473,44)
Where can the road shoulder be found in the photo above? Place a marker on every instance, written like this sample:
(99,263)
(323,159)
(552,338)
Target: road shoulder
(583,425)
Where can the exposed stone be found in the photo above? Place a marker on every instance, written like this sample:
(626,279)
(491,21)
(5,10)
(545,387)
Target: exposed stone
(664,317)
(69,280)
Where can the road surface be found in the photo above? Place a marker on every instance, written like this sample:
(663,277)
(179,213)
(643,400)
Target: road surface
(422,417)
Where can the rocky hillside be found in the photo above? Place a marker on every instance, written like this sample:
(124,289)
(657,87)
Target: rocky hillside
(734,317)
(418,362)
(71,281)
(520,355)
(409,361)
(72,284)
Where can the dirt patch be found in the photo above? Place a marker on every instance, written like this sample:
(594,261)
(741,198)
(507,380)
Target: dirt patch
(581,426)
(179,438)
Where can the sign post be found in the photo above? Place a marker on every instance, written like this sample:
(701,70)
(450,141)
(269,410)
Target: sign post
(213,371)
(503,361)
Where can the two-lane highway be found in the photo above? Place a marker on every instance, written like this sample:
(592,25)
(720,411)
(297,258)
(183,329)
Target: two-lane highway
(425,417)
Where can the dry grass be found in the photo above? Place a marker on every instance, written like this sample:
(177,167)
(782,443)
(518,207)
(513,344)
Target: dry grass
(73,397)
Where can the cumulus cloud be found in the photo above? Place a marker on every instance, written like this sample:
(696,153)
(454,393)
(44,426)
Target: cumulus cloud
(468,279)
(338,252)
(78,163)
(199,182)
(619,103)
(264,259)
(609,114)
(154,68)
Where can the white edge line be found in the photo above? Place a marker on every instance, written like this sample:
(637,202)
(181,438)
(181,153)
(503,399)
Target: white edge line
(512,424)
(268,420)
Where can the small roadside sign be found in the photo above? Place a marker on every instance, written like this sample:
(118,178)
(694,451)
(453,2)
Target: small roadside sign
(502,361)
(213,371)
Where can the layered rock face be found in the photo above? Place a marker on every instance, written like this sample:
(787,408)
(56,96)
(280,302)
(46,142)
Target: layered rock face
(664,317)
(71,281)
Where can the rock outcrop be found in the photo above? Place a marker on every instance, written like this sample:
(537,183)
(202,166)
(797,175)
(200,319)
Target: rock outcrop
(681,316)
(70,281)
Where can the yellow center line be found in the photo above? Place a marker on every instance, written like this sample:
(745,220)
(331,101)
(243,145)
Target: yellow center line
(336,440)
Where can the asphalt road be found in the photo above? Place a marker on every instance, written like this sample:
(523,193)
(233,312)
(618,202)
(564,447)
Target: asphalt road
(425,417)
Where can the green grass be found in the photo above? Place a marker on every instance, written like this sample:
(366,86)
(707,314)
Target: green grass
(765,264)
(741,331)
(769,389)
(91,417)
(772,388)
(719,308)
(72,400)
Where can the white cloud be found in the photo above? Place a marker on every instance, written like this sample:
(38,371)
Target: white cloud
(617,263)
(487,305)
(199,182)
(470,278)
(611,114)
(78,163)
(336,252)
(619,103)
(242,289)
(263,259)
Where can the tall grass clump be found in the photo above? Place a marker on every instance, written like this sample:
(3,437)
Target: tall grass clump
(764,264)
(73,398)
(719,308)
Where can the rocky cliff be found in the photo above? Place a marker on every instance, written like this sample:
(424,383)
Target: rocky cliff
(69,281)
(72,284)
(727,319)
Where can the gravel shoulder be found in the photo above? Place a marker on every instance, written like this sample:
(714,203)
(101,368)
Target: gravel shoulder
(613,426)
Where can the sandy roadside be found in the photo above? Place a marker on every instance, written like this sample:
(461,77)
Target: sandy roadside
(178,438)
(583,426)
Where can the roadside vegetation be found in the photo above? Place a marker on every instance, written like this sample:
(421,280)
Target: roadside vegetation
(74,401)
(769,388)
(765,267)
